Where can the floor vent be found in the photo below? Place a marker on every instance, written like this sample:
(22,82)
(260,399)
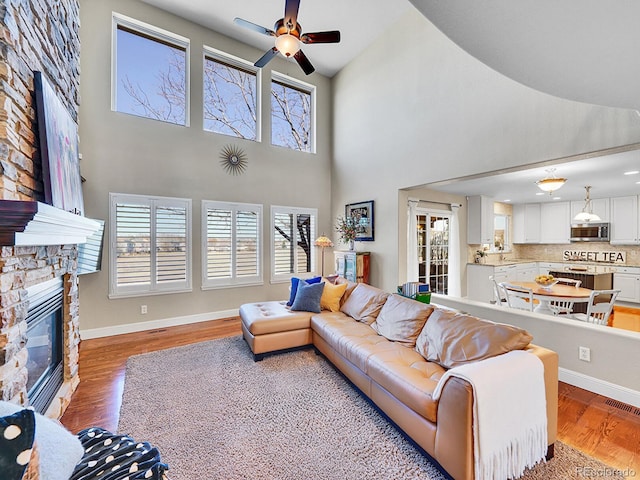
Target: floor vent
(623,406)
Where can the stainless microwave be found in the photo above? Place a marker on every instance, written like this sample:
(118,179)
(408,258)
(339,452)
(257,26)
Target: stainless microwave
(590,232)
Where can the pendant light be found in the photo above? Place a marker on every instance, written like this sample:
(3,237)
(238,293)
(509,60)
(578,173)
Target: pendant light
(550,183)
(587,215)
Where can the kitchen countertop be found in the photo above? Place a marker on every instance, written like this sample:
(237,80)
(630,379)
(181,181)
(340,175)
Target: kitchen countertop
(580,267)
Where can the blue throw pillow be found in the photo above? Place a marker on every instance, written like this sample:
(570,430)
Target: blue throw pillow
(294,287)
(308,297)
(17,432)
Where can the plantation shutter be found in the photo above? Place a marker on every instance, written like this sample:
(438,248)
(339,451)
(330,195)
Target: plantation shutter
(231,245)
(292,242)
(150,245)
(133,244)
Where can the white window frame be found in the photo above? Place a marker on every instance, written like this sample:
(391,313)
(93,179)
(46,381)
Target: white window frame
(233,281)
(275,209)
(159,34)
(298,85)
(242,65)
(123,291)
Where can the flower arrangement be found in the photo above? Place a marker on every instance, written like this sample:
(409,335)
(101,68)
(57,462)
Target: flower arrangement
(347,228)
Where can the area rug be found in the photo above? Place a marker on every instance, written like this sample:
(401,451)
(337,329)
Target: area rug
(214,413)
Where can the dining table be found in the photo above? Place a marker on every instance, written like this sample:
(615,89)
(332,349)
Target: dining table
(557,292)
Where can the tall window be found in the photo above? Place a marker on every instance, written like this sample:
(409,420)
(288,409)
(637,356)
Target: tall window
(150,71)
(292,234)
(292,114)
(231,249)
(433,251)
(150,247)
(231,96)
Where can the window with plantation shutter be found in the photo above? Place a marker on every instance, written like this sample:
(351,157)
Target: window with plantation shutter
(150,247)
(231,247)
(293,231)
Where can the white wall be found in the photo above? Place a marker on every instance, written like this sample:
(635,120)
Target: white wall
(414,108)
(128,154)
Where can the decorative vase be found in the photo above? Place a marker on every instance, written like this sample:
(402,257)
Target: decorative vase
(352,245)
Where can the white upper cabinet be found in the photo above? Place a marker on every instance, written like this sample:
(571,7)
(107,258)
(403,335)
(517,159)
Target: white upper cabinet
(480,220)
(624,221)
(599,206)
(555,221)
(526,223)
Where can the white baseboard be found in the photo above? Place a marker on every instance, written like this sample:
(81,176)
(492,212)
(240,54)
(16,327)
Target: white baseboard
(601,387)
(155,324)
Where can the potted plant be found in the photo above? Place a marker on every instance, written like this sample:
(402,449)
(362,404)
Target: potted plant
(480,255)
(346,228)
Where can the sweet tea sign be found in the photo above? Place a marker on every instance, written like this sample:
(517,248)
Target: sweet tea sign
(594,256)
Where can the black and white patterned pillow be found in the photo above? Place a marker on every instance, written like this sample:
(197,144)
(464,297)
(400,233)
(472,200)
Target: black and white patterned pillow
(117,457)
(17,432)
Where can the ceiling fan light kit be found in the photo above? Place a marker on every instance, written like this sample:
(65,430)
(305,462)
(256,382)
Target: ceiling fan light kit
(550,183)
(288,33)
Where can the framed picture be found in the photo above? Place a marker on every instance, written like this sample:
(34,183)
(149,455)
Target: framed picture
(363,212)
(58,134)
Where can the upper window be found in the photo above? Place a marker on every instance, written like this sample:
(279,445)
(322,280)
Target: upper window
(231,249)
(231,98)
(150,247)
(150,68)
(292,113)
(292,234)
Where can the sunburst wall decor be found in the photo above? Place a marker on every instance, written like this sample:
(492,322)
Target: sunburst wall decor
(233,160)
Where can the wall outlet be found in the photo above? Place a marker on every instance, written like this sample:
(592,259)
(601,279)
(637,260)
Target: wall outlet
(584,354)
(143,310)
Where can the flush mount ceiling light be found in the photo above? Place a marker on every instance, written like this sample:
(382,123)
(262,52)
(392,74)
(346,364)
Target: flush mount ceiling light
(587,215)
(550,183)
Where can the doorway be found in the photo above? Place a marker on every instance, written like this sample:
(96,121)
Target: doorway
(433,249)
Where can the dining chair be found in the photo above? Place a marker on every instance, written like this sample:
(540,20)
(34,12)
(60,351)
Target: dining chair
(500,297)
(518,297)
(564,307)
(598,311)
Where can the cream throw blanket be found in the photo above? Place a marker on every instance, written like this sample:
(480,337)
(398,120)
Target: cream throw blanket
(509,413)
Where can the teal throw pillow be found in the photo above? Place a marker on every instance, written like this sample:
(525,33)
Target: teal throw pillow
(294,287)
(308,297)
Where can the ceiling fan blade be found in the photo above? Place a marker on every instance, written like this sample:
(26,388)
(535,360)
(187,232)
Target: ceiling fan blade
(321,37)
(263,60)
(304,62)
(291,12)
(254,27)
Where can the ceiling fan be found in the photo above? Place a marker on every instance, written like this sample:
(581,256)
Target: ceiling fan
(288,33)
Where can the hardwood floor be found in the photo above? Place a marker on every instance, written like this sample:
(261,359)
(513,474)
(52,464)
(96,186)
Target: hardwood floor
(600,427)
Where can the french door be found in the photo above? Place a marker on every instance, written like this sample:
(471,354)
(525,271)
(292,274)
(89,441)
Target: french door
(433,250)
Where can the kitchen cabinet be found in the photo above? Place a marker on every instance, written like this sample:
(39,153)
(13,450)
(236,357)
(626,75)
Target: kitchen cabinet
(545,267)
(526,272)
(555,222)
(526,223)
(624,221)
(599,206)
(480,220)
(627,280)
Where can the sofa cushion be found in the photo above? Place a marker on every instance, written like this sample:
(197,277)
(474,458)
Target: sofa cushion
(308,297)
(452,338)
(408,377)
(294,287)
(331,296)
(350,287)
(364,303)
(402,319)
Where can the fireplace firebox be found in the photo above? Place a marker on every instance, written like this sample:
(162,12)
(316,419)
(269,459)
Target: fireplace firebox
(45,342)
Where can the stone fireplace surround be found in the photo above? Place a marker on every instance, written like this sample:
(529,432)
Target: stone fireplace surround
(28,258)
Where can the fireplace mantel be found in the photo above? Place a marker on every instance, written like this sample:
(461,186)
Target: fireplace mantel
(29,223)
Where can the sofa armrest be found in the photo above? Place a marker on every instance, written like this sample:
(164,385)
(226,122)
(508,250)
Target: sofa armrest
(454,438)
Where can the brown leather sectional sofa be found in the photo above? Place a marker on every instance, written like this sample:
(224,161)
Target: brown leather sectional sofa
(381,343)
